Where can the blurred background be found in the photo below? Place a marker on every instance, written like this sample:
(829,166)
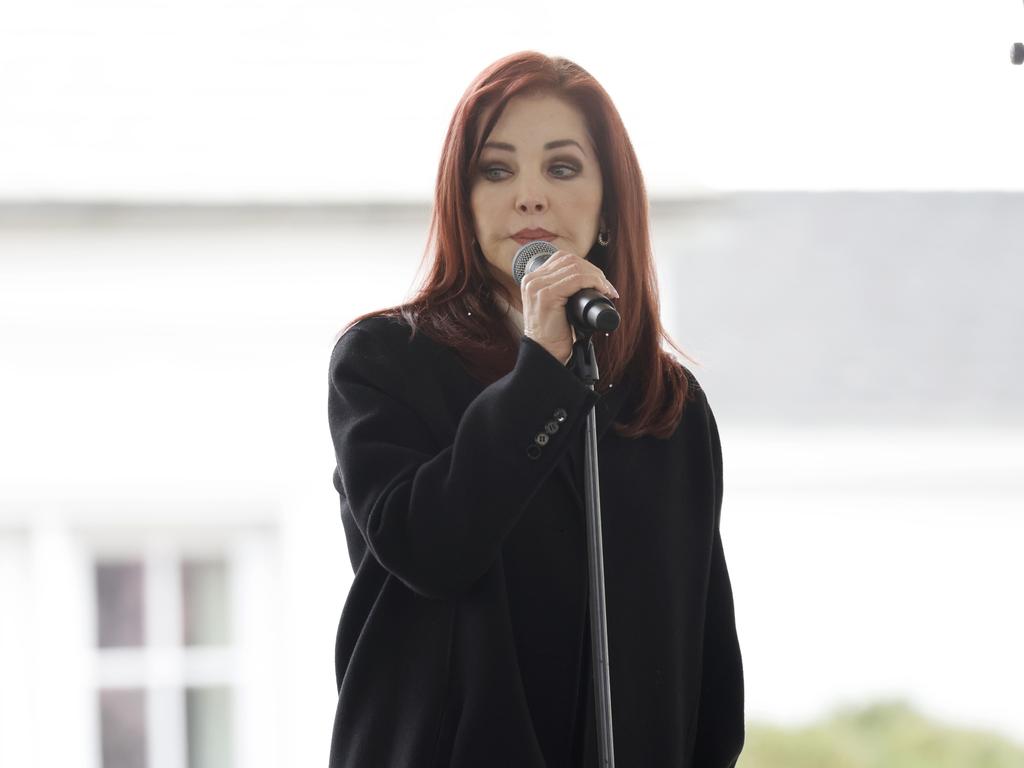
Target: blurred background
(196,197)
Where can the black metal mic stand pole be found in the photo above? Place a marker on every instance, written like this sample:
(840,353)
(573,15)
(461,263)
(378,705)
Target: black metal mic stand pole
(585,366)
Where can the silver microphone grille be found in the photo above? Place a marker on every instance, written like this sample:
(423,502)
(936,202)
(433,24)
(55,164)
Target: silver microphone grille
(528,253)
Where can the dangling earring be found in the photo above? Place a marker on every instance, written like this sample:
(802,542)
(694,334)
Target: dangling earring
(603,238)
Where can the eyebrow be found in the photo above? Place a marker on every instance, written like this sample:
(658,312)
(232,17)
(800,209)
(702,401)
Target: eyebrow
(549,145)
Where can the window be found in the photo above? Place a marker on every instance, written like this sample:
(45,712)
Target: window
(164,659)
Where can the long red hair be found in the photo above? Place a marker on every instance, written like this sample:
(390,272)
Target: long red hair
(455,303)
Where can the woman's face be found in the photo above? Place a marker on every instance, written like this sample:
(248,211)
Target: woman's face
(527,186)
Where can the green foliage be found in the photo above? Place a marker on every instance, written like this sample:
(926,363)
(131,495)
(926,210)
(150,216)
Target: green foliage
(888,734)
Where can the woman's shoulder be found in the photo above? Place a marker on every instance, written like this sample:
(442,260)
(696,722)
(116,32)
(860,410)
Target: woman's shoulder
(380,324)
(692,385)
(695,411)
(694,392)
(374,351)
(383,332)
(696,396)
(386,347)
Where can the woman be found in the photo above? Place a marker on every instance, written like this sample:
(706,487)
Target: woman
(464,639)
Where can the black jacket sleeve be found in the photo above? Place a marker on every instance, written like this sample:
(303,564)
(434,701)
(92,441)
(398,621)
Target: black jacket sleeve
(436,518)
(720,726)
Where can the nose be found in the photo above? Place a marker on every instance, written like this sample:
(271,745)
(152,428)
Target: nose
(529,200)
(531,204)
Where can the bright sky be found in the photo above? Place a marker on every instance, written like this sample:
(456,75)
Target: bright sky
(299,99)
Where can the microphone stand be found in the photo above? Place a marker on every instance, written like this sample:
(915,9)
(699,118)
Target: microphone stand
(584,364)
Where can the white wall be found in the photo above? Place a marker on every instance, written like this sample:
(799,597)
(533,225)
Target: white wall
(164,387)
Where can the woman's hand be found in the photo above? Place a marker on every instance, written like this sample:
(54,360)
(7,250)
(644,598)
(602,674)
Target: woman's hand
(547,290)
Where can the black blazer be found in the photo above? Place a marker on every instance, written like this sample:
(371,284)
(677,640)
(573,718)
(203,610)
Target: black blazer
(464,639)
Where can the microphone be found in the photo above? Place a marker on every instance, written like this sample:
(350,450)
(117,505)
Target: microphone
(587,309)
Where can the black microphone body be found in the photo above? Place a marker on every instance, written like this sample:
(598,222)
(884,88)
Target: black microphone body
(588,309)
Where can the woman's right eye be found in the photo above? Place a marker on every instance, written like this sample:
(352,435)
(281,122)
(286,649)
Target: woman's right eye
(487,171)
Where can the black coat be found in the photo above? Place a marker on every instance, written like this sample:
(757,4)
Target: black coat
(464,639)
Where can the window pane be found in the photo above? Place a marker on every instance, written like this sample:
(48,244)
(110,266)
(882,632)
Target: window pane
(204,602)
(119,619)
(123,727)
(208,718)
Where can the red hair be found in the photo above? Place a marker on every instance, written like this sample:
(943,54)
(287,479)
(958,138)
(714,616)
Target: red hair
(454,305)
